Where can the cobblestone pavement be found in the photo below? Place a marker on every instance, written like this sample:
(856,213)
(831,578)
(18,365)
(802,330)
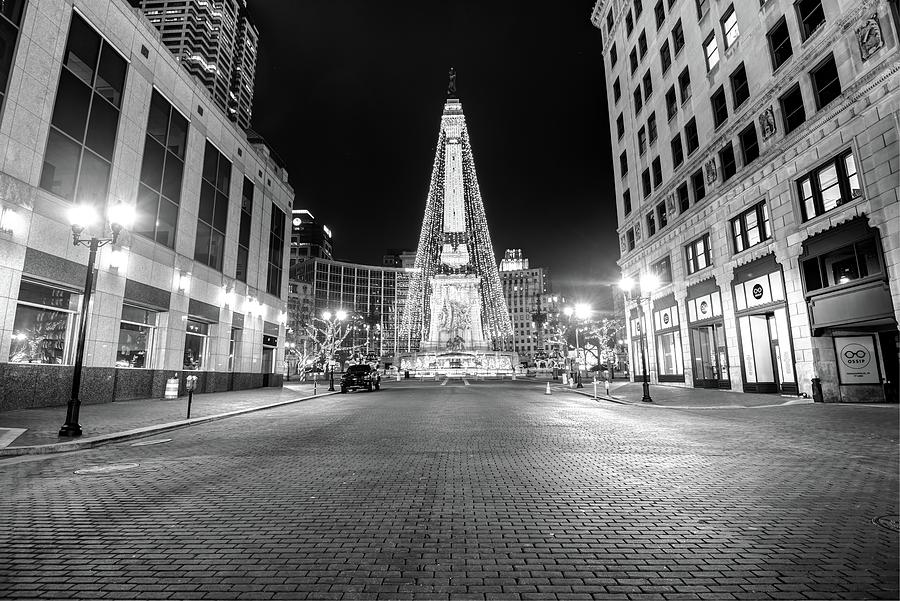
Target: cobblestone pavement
(488,491)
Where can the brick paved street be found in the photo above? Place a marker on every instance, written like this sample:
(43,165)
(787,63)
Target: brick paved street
(488,491)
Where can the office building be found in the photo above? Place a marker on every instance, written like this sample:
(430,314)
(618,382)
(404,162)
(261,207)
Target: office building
(756,170)
(527,292)
(309,238)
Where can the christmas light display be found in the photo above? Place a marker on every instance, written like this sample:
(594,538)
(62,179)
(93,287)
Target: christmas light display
(470,252)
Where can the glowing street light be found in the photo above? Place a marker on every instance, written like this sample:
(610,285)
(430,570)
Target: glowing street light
(649,283)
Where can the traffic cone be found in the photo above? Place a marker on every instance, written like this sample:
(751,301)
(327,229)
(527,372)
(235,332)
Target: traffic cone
(548,389)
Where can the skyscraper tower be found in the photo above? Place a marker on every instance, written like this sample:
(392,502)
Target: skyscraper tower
(216,41)
(456,305)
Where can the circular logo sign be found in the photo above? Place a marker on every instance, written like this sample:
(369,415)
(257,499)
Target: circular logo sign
(665,318)
(704,307)
(757,291)
(296,221)
(855,356)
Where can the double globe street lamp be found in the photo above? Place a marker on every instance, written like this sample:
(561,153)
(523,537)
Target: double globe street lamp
(648,284)
(333,321)
(581,311)
(82,217)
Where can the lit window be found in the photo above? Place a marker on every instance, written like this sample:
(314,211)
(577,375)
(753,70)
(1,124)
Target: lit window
(829,186)
(729,26)
(697,254)
(135,337)
(750,227)
(711,50)
(43,329)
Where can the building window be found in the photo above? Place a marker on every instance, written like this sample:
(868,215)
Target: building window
(651,224)
(657,172)
(749,144)
(697,254)
(792,112)
(729,26)
(276,252)
(629,23)
(613,56)
(750,227)
(677,37)
(702,8)
(642,44)
(728,162)
(698,186)
(648,85)
(740,87)
(665,56)
(43,329)
(195,337)
(645,183)
(684,84)
(829,186)
(719,107)
(691,137)
(85,118)
(684,201)
(243,255)
(629,238)
(626,201)
(10,20)
(660,14)
(677,151)
(651,127)
(825,81)
(663,270)
(633,60)
(779,44)
(623,163)
(135,337)
(638,100)
(162,168)
(843,265)
(711,51)
(213,217)
(620,126)
(661,216)
(617,90)
(642,140)
(671,103)
(810,15)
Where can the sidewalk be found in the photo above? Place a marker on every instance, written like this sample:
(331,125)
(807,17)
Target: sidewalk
(680,397)
(128,419)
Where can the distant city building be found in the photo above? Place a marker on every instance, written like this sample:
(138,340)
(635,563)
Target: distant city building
(756,155)
(526,291)
(396,257)
(198,284)
(309,238)
(373,296)
(216,41)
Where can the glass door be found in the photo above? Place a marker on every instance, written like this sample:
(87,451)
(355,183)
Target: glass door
(710,357)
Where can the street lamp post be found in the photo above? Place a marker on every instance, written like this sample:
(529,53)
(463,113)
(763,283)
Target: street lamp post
(81,217)
(580,311)
(648,284)
(288,351)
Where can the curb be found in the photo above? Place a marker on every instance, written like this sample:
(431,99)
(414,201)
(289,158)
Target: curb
(88,443)
(603,397)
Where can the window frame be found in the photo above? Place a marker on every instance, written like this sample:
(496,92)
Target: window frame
(677,150)
(739,231)
(805,30)
(741,140)
(711,58)
(691,126)
(774,50)
(791,92)
(728,161)
(692,257)
(843,181)
(729,12)
(720,113)
(739,85)
(814,81)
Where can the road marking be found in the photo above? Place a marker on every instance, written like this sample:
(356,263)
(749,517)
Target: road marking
(147,443)
(444,383)
(8,435)
(466,382)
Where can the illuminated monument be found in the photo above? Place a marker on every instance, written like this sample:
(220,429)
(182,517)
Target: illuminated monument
(456,307)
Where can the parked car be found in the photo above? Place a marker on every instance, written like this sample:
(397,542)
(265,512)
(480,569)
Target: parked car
(360,376)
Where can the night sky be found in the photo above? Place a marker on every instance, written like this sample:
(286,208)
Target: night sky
(350,94)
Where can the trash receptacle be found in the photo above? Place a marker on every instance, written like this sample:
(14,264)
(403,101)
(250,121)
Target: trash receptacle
(172,387)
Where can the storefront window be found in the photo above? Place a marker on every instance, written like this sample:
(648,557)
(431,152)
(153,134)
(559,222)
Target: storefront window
(195,345)
(842,265)
(43,329)
(135,337)
(668,354)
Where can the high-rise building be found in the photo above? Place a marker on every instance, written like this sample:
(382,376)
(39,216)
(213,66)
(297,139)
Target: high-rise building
(526,290)
(309,238)
(456,307)
(197,285)
(755,149)
(216,41)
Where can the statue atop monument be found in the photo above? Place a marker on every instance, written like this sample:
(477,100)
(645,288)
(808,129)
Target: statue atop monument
(451,83)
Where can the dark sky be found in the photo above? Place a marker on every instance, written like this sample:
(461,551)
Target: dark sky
(350,94)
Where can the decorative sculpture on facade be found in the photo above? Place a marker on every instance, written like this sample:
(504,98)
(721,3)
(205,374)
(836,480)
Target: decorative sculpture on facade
(711,172)
(868,35)
(767,123)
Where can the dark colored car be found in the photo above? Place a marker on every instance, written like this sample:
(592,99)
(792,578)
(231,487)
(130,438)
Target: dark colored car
(360,376)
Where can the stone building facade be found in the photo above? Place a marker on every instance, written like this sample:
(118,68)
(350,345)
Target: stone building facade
(97,112)
(526,290)
(757,175)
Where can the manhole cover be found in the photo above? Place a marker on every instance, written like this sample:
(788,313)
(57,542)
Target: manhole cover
(105,469)
(147,443)
(891,522)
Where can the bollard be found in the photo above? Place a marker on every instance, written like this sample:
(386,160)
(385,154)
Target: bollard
(607,387)
(548,389)
(315,387)
(595,389)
